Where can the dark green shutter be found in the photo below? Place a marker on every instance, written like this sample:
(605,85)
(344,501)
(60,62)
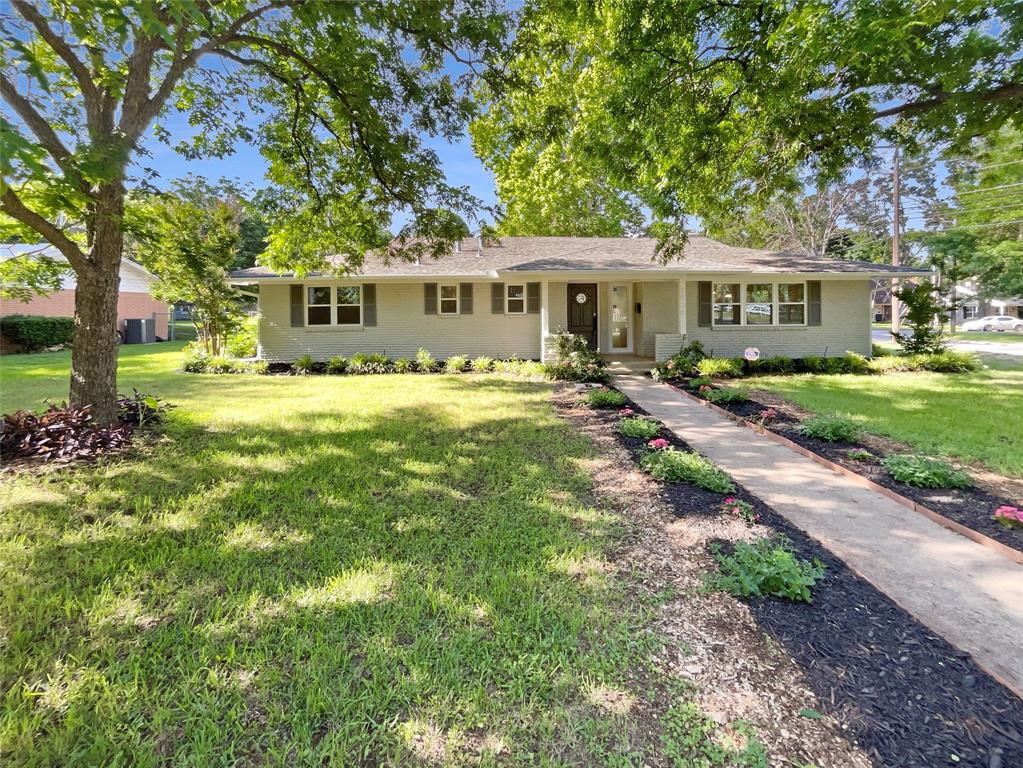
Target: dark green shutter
(297,306)
(465,298)
(705,304)
(533,298)
(813,302)
(369,304)
(430,298)
(497,298)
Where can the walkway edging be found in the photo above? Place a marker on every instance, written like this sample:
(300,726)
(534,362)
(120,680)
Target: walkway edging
(979,538)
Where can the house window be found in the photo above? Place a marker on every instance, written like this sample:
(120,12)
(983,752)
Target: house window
(791,304)
(756,304)
(349,305)
(318,305)
(727,304)
(516,300)
(970,312)
(449,299)
(759,309)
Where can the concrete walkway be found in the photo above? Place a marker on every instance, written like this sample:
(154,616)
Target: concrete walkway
(968,594)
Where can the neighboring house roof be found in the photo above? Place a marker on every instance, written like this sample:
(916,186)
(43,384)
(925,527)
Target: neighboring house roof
(134,273)
(595,254)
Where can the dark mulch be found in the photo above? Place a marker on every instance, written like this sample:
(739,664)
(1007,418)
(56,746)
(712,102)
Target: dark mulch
(906,696)
(972,507)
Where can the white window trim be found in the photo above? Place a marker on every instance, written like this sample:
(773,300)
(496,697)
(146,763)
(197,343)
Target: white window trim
(508,298)
(775,304)
(440,300)
(333,305)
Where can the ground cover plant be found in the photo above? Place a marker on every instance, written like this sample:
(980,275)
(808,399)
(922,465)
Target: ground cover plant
(605,398)
(765,568)
(834,429)
(924,471)
(639,427)
(313,570)
(675,466)
(723,395)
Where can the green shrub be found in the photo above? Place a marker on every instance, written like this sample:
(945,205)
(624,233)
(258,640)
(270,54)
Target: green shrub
(726,395)
(701,381)
(948,362)
(893,364)
(813,364)
(674,466)
(850,362)
(241,342)
(34,332)
(605,398)
(303,364)
(337,365)
(424,361)
(924,471)
(258,367)
(456,364)
(195,358)
(529,369)
(639,427)
(403,365)
(369,362)
(482,365)
(574,360)
(776,364)
(720,367)
(834,429)
(682,364)
(766,567)
(198,361)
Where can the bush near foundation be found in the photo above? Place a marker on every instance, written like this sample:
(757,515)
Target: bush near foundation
(34,332)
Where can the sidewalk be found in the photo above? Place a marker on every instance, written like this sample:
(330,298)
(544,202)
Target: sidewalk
(970,595)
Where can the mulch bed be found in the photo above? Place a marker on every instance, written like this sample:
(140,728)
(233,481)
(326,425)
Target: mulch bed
(972,507)
(905,695)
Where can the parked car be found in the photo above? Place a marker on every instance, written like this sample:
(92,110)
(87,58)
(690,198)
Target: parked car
(994,323)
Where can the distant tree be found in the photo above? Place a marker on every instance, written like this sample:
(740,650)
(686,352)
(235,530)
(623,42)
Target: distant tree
(925,316)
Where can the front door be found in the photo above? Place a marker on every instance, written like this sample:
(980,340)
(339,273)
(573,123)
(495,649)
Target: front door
(582,311)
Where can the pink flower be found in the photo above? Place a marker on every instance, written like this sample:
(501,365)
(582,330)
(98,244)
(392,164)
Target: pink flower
(768,413)
(658,443)
(730,500)
(1010,517)
(626,412)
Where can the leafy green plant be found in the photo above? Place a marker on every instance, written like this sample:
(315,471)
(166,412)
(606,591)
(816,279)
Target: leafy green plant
(456,364)
(720,367)
(690,738)
(766,567)
(893,364)
(850,362)
(812,364)
(949,361)
(303,364)
(834,429)
(924,306)
(924,471)
(726,395)
(700,381)
(639,427)
(337,365)
(605,398)
(674,466)
(778,364)
(682,364)
(241,339)
(482,365)
(573,360)
(529,369)
(403,365)
(369,362)
(35,332)
(425,362)
(858,454)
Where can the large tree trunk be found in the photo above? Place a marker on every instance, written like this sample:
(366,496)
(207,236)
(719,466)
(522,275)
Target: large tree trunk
(94,355)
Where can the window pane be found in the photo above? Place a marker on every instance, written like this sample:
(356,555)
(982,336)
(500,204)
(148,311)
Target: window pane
(516,306)
(319,315)
(348,294)
(726,293)
(348,315)
(759,293)
(790,292)
(320,295)
(449,291)
(791,314)
(516,291)
(726,314)
(758,314)
(449,306)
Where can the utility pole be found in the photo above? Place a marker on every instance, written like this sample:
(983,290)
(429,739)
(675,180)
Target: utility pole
(896,226)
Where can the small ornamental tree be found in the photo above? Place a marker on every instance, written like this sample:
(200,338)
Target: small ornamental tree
(339,97)
(925,314)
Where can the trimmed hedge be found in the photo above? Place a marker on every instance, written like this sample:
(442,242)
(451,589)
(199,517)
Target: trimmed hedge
(34,332)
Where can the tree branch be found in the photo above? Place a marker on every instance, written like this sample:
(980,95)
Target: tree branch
(1002,92)
(61,47)
(12,205)
(48,138)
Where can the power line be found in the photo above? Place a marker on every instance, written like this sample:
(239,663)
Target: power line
(968,211)
(983,189)
(981,226)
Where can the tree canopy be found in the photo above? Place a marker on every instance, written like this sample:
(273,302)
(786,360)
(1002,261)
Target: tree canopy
(709,108)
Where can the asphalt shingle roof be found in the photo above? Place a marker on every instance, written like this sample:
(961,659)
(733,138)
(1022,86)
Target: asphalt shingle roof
(596,254)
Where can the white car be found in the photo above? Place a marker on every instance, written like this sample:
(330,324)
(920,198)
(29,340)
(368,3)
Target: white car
(994,323)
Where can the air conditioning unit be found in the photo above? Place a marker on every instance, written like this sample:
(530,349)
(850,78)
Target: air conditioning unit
(140,331)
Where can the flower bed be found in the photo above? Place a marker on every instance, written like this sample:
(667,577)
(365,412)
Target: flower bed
(970,506)
(905,695)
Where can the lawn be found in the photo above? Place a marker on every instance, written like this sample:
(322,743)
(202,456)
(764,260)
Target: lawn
(1005,337)
(971,417)
(312,570)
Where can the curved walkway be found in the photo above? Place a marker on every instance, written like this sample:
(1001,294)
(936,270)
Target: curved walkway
(965,592)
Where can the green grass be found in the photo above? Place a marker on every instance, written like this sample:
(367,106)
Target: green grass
(321,570)
(1007,337)
(973,417)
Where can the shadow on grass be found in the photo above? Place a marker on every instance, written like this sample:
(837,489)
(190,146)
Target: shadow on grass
(410,582)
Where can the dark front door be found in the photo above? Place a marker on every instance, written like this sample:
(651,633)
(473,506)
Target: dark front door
(582,311)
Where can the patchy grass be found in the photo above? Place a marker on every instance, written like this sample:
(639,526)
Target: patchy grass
(319,570)
(973,417)
(1005,337)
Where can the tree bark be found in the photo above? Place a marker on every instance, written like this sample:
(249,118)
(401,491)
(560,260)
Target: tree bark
(94,353)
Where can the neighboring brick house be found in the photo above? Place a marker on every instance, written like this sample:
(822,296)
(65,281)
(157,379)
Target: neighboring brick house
(134,301)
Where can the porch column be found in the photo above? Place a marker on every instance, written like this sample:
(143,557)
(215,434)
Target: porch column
(681,307)
(545,318)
